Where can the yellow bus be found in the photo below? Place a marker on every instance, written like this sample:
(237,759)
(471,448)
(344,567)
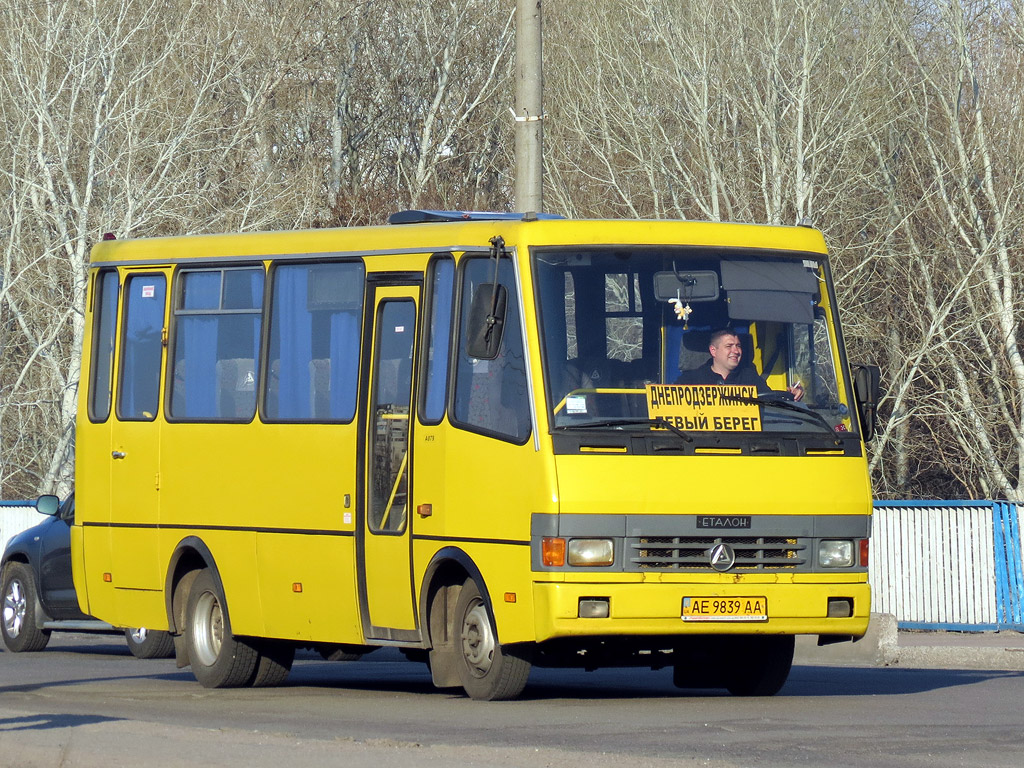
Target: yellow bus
(473,437)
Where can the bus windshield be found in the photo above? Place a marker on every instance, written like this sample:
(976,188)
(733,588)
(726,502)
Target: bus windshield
(626,333)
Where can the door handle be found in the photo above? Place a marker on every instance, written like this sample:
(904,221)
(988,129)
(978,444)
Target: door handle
(117,454)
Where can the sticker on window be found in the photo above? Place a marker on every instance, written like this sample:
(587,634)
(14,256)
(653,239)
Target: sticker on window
(148,291)
(576,404)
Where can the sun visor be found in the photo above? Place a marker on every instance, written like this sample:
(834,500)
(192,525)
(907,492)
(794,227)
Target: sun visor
(779,291)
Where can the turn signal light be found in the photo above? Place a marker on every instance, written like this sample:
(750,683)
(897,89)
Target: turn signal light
(552,551)
(864,553)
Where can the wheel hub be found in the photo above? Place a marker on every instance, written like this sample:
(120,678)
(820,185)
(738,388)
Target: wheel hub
(477,639)
(15,605)
(208,629)
(139,635)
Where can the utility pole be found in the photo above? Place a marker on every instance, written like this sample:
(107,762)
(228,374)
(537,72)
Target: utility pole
(529,107)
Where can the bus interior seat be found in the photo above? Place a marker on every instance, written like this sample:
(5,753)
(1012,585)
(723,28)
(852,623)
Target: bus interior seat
(236,387)
(273,394)
(320,387)
(486,406)
(570,377)
(630,374)
(693,349)
(178,402)
(515,404)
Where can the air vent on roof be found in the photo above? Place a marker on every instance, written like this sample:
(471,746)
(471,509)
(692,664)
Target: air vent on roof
(422,216)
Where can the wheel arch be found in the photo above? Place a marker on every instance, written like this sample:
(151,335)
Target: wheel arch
(450,566)
(191,555)
(16,556)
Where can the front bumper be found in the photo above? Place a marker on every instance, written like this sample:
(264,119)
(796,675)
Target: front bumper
(645,609)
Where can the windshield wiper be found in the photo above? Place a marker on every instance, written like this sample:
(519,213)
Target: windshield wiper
(780,403)
(659,422)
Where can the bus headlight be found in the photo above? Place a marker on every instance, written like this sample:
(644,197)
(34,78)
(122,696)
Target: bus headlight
(587,552)
(835,554)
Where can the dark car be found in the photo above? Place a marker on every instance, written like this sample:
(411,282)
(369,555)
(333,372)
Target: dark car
(39,593)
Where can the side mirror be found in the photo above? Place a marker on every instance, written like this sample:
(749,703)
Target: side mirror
(47,505)
(486,321)
(865,389)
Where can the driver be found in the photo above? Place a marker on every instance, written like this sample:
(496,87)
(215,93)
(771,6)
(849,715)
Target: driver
(724,367)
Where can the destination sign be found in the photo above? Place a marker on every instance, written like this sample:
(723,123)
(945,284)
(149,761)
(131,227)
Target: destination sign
(704,407)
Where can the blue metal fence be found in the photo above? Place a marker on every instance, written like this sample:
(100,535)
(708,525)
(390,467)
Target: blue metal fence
(1009,573)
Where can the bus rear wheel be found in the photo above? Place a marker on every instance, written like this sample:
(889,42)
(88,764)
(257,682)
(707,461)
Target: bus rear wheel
(487,671)
(275,662)
(764,668)
(218,659)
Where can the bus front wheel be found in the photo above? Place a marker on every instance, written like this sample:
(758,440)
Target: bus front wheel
(218,659)
(764,669)
(487,671)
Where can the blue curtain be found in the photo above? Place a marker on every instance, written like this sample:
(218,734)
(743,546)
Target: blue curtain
(256,289)
(344,364)
(293,327)
(197,348)
(140,390)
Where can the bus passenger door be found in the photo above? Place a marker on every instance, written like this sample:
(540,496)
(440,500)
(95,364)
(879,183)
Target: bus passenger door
(135,431)
(386,588)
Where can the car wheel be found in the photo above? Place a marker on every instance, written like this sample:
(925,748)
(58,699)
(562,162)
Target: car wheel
(486,670)
(19,612)
(149,643)
(218,659)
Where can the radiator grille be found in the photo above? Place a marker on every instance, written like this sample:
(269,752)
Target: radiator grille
(691,553)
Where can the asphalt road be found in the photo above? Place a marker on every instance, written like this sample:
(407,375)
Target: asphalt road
(86,702)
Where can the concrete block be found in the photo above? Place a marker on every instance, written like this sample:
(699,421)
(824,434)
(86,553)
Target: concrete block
(878,648)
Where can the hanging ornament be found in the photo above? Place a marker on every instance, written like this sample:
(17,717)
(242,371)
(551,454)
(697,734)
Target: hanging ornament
(682,311)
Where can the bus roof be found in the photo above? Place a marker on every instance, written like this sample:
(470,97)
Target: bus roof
(452,232)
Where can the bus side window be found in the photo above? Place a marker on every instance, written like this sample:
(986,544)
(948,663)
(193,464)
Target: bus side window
(315,319)
(491,395)
(104,332)
(141,348)
(438,338)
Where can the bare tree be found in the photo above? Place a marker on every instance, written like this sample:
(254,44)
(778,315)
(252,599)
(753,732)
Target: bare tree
(120,125)
(964,70)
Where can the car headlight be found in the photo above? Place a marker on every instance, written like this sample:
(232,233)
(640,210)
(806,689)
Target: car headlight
(591,552)
(835,554)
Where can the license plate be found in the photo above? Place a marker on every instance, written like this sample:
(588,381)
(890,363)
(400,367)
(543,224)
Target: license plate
(725,609)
